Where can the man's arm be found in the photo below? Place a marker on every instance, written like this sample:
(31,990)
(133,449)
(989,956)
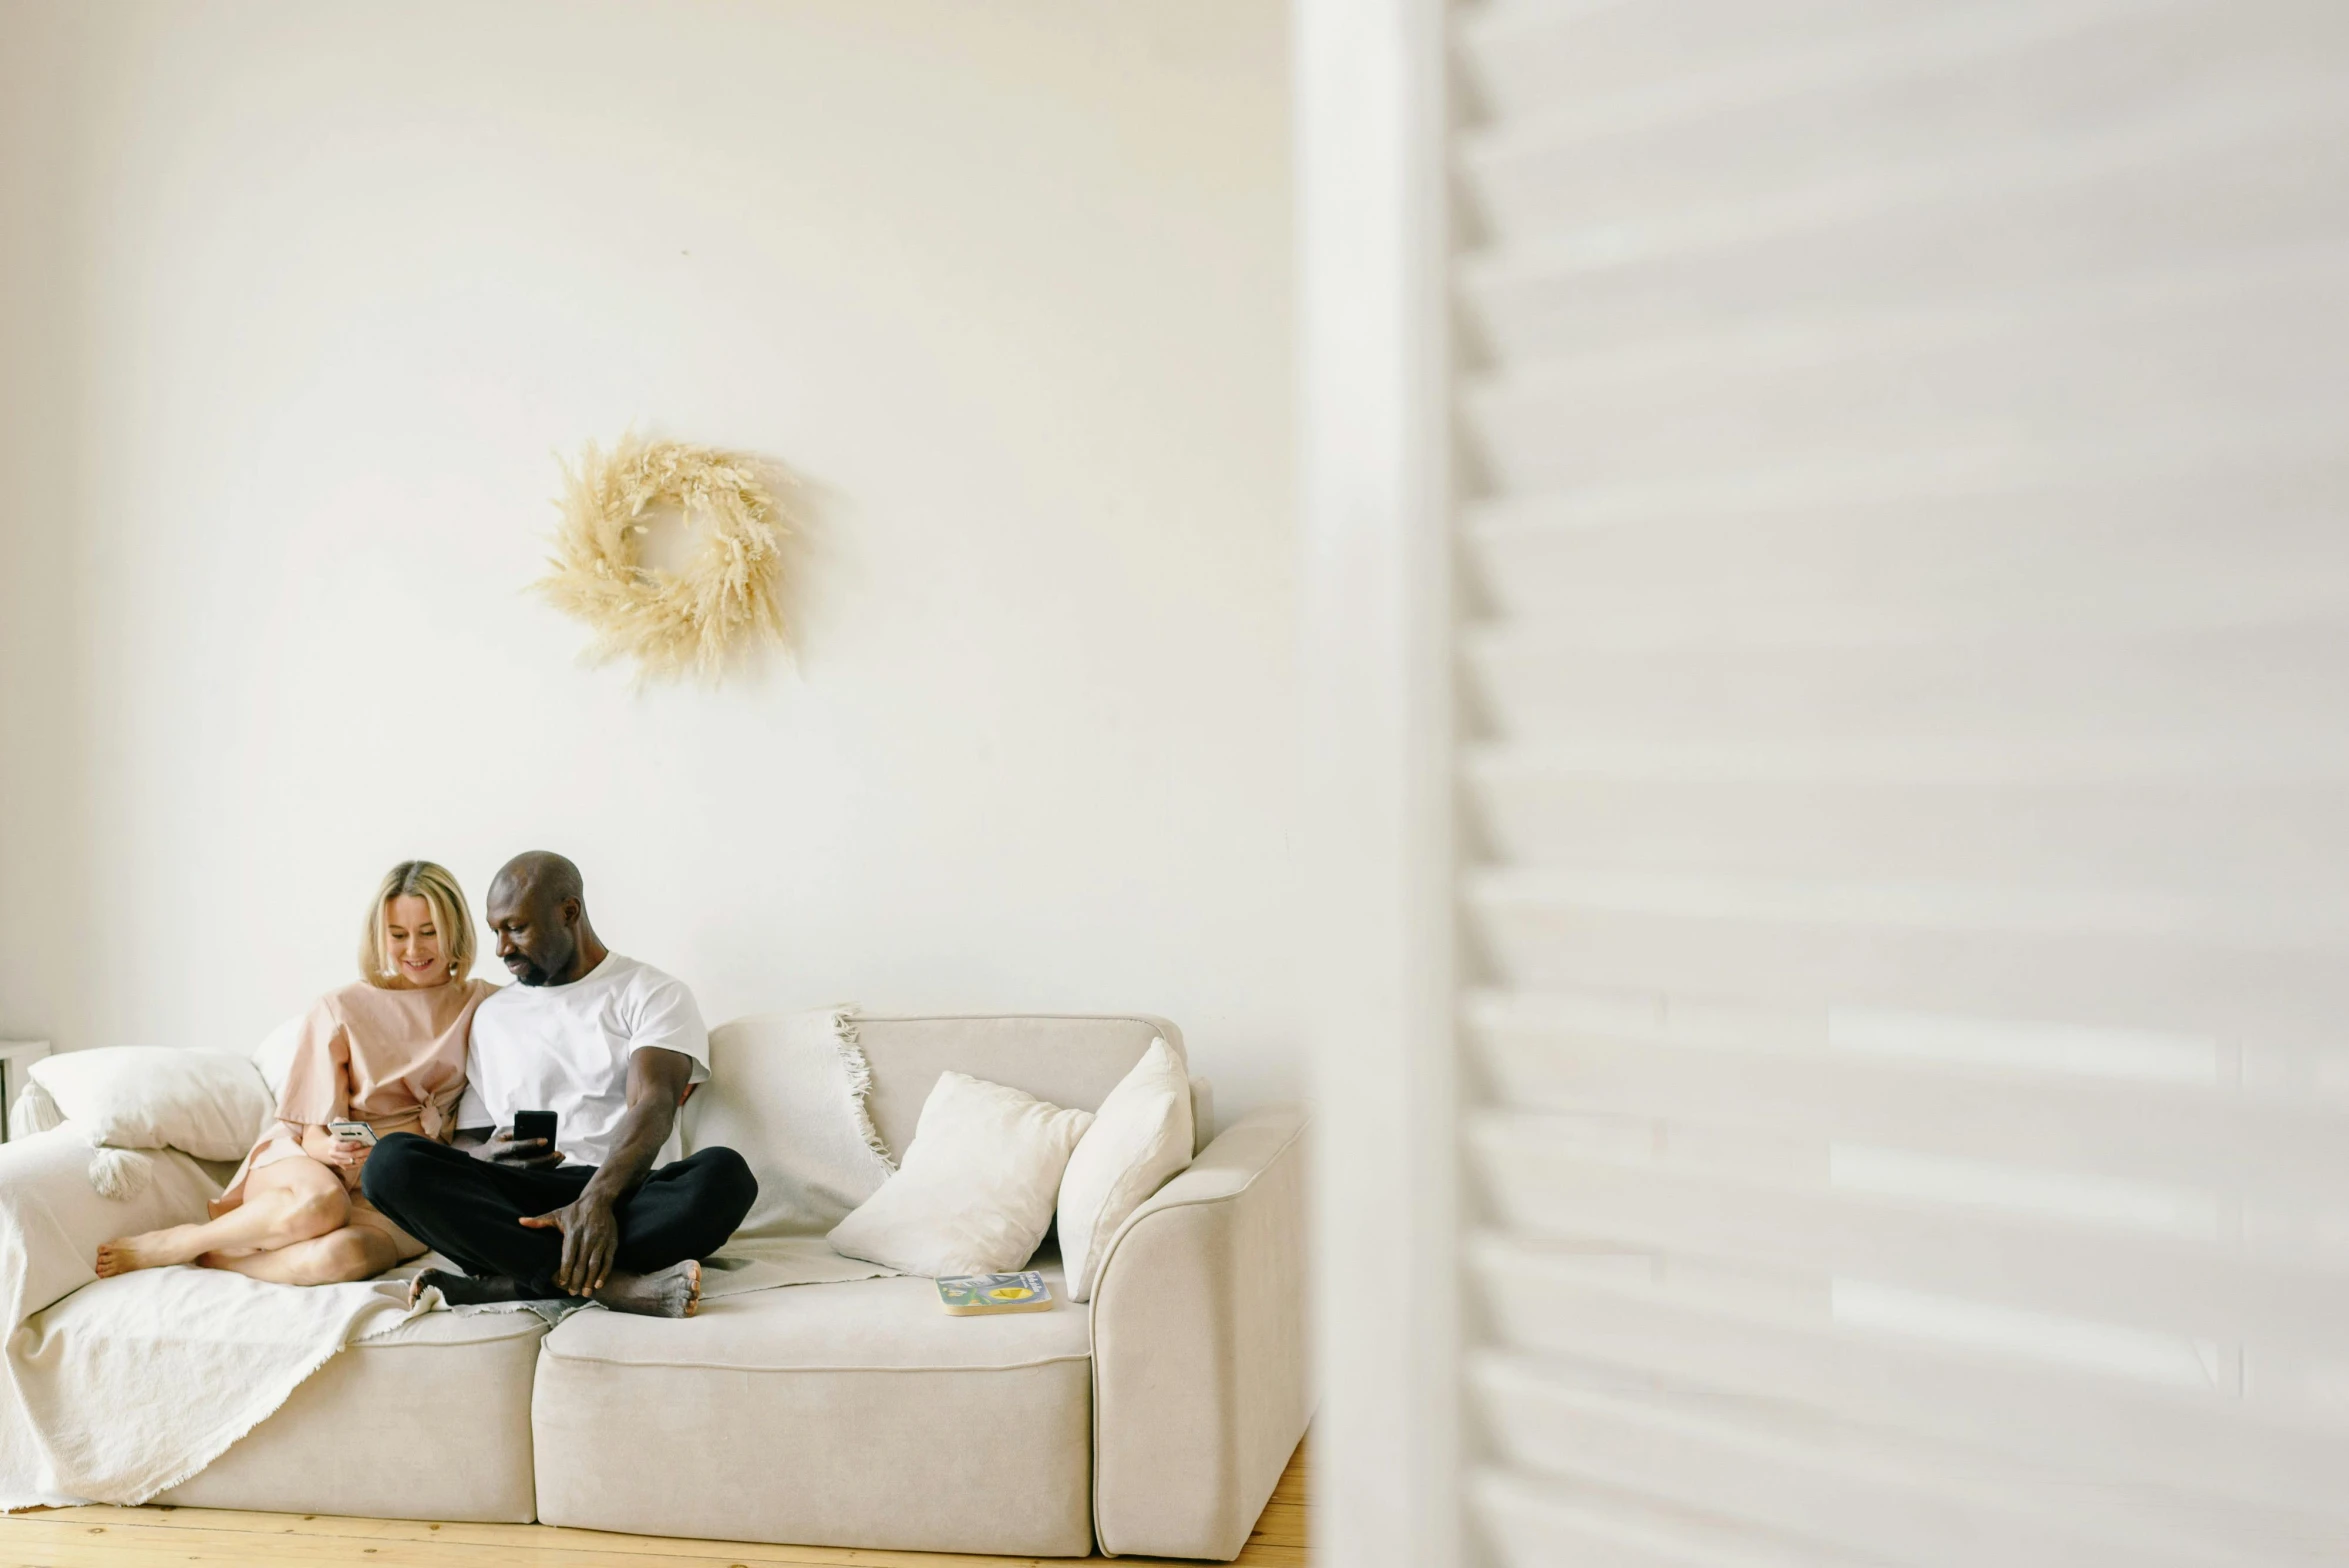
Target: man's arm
(657,1081)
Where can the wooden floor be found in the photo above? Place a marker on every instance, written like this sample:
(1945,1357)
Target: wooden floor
(140,1537)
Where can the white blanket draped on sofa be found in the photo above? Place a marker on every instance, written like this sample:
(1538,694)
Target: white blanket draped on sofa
(113,1392)
(133,1385)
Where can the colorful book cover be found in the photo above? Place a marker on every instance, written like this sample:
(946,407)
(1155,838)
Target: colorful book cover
(966,1294)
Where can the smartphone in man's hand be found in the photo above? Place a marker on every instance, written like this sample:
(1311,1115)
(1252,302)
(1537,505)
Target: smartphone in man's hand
(535,1124)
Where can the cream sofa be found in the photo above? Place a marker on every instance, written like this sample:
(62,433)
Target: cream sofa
(1153,1420)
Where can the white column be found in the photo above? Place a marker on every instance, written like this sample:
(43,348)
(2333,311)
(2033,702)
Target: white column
(1377,609)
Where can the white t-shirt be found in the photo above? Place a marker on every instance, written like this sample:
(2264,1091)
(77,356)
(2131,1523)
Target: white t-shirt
(565,1049)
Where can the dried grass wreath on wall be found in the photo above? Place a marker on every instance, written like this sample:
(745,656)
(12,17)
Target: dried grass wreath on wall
(697,621)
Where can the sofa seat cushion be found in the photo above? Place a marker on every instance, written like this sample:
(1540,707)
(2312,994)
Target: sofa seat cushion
(858,1415)
(877,1324)
(429,1421)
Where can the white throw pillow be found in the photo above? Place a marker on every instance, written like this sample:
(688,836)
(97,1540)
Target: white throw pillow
(1140,1137)
(211,1104)
(975,1191)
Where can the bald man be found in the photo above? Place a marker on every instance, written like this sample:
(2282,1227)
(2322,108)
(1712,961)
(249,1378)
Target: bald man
(612,1047)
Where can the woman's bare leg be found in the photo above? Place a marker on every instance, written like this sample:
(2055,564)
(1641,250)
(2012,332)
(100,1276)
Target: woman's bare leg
(289,1201)
(361,1249)
(352,1253)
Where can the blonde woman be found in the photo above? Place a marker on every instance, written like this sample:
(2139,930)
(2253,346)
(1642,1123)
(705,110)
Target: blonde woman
(388,1051)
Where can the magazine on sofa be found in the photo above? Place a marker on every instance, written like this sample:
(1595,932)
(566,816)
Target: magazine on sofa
(967,1295)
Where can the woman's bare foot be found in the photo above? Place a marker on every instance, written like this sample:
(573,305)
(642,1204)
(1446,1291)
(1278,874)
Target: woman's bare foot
(154,1249)
(463,1290)
(668,1293)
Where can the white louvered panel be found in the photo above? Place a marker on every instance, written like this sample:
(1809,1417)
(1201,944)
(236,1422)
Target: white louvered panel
(2215,1135)
(1994,1251)
(1905,543)
(1599,1527)
(2247,699)
(2065,833)
(1866,1490)
(1927,97)
(1530,58)
(2120,1421)
(1990,953)
(2098,370)
(1932,566)
(2270,172)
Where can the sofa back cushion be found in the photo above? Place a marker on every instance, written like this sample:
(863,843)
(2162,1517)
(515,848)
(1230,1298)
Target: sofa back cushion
(1072,1061)
(787,1092)
(275,1054)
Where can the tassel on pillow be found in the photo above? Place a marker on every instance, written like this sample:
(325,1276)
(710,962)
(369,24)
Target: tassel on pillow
(120,1173)
(33,1112)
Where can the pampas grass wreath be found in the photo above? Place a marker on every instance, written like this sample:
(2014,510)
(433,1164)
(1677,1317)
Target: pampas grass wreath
(673,624)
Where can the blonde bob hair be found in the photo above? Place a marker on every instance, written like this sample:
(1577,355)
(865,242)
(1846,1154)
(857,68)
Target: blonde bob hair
(439,890)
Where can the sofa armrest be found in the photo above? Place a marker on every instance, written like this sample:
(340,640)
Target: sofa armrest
(52,1219)
(1200,1384)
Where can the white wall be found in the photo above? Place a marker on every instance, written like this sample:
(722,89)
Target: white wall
(1008,283)
(41,881)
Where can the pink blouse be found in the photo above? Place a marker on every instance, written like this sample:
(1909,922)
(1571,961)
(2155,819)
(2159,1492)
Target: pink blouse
(392,1059)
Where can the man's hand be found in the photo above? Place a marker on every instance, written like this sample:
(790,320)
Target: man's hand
(591,1232)
(503,1148)
(591,1239)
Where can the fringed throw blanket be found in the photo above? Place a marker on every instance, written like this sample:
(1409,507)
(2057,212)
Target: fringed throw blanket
(113,1390)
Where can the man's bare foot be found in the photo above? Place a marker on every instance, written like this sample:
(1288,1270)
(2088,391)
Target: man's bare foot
(154,1249)
(463,1290)
(668,1293)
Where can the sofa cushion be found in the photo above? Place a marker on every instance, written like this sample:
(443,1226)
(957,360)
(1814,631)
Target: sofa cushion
(274,1056)
(891,1324)
(52,1219)
(857,1415)
(787,1092)
(974,1193)
(1141,1137)
(211,1104)
(1069,1060)
(429,1421)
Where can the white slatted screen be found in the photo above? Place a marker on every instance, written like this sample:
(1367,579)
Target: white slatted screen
(1905,458)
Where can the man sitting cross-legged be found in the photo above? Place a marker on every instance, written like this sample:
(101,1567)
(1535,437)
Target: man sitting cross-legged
(611,1046)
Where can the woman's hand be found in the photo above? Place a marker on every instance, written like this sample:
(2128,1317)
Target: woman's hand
(322,1145)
